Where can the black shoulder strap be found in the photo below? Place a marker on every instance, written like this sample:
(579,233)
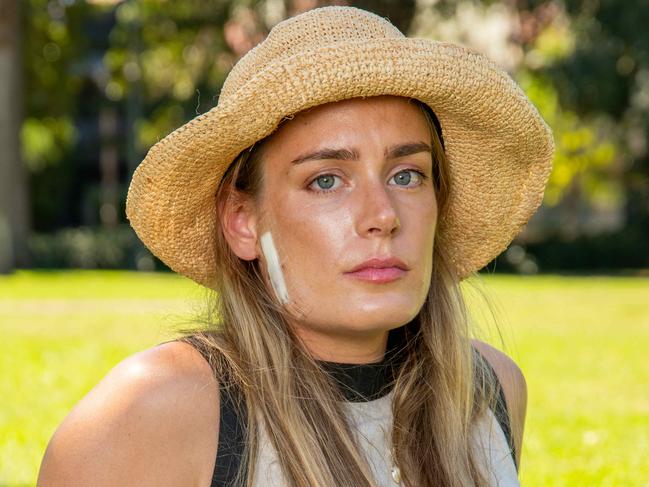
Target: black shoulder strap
(232,428)
(232,439)
(501,411)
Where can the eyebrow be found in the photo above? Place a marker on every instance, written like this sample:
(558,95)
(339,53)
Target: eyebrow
(393,152)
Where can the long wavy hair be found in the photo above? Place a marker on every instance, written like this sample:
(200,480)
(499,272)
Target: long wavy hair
(440,388)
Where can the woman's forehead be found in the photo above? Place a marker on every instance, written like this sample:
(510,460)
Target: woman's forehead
(351,120)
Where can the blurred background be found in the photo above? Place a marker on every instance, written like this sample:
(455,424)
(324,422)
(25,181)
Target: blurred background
(86,87)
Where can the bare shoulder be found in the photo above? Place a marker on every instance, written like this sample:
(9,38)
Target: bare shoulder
(153,420)
(514,387)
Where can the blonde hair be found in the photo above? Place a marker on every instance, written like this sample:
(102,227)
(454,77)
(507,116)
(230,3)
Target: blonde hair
(439,388)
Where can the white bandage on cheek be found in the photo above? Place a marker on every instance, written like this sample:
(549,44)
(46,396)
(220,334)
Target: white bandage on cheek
(274,268)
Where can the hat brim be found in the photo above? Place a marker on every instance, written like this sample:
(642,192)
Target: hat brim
(498,146)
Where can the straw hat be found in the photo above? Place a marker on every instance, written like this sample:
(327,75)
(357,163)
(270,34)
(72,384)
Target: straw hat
(499,148)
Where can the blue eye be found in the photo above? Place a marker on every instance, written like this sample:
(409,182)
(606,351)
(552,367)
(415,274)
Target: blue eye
(403,178)
(324,182)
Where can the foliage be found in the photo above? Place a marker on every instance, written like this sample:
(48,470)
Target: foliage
(607,73)
(623,252)
(584,151)
(174,60)
(60,69)
(54,46)
(91,248)
(44,141)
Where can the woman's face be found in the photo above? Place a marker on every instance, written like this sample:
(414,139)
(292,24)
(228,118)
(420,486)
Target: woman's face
(345,183)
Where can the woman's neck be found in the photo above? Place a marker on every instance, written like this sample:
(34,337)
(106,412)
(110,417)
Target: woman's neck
(345,348)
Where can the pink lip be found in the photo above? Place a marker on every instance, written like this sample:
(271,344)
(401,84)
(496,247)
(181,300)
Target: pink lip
(382,275)
(380,269)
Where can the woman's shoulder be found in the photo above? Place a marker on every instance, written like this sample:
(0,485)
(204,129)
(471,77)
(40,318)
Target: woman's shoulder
(153,420)
(514,387)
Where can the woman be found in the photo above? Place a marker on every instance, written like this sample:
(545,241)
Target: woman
(347,181)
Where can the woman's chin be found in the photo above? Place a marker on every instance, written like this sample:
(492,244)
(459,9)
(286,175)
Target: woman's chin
(390,304)
(383,313)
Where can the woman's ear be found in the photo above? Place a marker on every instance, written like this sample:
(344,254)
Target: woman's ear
(239,223)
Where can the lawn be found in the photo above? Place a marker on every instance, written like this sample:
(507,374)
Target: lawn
(581,342)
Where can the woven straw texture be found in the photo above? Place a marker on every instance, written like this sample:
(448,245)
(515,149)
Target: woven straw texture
(499,148)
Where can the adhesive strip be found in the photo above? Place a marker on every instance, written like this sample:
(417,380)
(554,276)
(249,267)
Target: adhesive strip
(274,267)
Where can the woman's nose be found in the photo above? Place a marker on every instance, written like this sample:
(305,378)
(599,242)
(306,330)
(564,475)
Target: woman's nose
(377,215)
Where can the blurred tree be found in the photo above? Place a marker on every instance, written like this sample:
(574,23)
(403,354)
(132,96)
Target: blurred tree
(172,61)
(59,71)
(594,55)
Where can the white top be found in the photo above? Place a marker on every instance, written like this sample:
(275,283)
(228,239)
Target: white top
(372,422)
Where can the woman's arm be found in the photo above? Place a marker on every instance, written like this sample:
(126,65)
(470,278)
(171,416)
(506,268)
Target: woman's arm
(514,386)
(153,420)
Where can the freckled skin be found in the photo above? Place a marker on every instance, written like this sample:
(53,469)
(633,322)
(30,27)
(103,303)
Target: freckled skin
(321,236)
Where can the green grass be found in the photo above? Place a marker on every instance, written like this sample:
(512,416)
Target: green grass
(581,342)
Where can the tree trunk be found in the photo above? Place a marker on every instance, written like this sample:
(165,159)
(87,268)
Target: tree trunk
(14,212)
